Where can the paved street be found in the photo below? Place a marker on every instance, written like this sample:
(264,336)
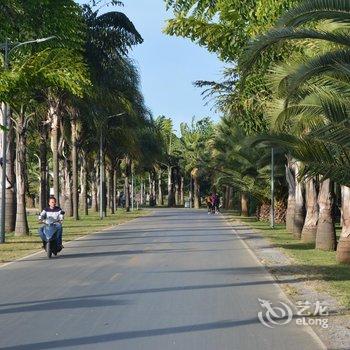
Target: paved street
(178,279)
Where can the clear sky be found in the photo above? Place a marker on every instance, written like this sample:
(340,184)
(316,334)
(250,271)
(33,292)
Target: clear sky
(169,65)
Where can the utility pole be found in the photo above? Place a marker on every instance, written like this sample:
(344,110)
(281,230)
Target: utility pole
(4,154)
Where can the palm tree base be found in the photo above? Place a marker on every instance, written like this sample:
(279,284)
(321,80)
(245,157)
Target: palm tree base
(298,225)
(325,236)
(343,250)
(308,235)
(290,222)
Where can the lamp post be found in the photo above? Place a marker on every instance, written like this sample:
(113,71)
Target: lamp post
(7,48)
(272,214)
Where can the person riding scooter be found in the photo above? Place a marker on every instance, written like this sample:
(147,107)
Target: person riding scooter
(56,213)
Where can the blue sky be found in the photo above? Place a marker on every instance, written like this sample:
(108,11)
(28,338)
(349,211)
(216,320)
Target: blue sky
(169,65)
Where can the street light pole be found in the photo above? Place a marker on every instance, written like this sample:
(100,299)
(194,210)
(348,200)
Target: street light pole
(7,50)
(272,216)
(4,155)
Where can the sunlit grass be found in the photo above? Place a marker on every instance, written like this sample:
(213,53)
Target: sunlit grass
(17,247)
(317,265)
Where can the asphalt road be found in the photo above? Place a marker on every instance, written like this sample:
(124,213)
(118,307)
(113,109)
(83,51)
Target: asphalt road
(178,279)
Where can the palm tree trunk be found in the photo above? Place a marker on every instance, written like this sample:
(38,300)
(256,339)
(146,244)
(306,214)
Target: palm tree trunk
(170,187)
(299,203)
(154,194)
(83,186)
(75,168)
(111,192)
(160,189)
(22,227)
(291,198)
(53,116)
(325,235)
(225,197)
(95,189)
(343,248)
(104,197)
(127,183)
(196,189)
(67,188)
(230,198)
(127,193)
(244,205)
(191,192)
(177,187)
(44,186)
(10,195)
(310,226)
(142,192)
(182,192)
(115,198)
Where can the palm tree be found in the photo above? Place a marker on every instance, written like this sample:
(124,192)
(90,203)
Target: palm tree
(171,157)
(195,139)
(331,64)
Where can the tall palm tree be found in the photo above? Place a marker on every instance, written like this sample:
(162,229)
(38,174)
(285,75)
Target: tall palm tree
(195,138)
(333,64)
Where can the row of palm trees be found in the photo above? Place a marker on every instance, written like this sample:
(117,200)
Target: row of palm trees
(78,126)
(308,115)
(76,112)
(286,94)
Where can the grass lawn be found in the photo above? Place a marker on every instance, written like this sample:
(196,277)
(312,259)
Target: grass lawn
(318,266)
(17,247)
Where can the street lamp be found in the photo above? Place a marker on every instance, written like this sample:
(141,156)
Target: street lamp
(8,47)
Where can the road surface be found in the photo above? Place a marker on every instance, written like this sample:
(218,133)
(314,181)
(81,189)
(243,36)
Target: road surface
(178,279)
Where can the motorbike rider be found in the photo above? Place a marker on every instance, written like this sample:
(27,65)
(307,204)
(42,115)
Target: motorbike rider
(55,212)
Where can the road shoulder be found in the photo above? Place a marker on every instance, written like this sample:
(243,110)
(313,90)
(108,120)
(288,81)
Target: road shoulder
(297,286)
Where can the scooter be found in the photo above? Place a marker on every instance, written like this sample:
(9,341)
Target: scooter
(50,241)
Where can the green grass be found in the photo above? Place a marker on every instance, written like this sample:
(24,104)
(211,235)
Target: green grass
(318,266)
(17,247)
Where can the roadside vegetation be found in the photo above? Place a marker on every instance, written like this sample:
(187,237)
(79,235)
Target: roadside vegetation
(18,247)
(285,91)
(319,267)
(75,121)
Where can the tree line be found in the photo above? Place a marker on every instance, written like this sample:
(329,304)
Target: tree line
(285,88)
(77,124)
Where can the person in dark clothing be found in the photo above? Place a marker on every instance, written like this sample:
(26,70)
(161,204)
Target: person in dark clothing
(55,212)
